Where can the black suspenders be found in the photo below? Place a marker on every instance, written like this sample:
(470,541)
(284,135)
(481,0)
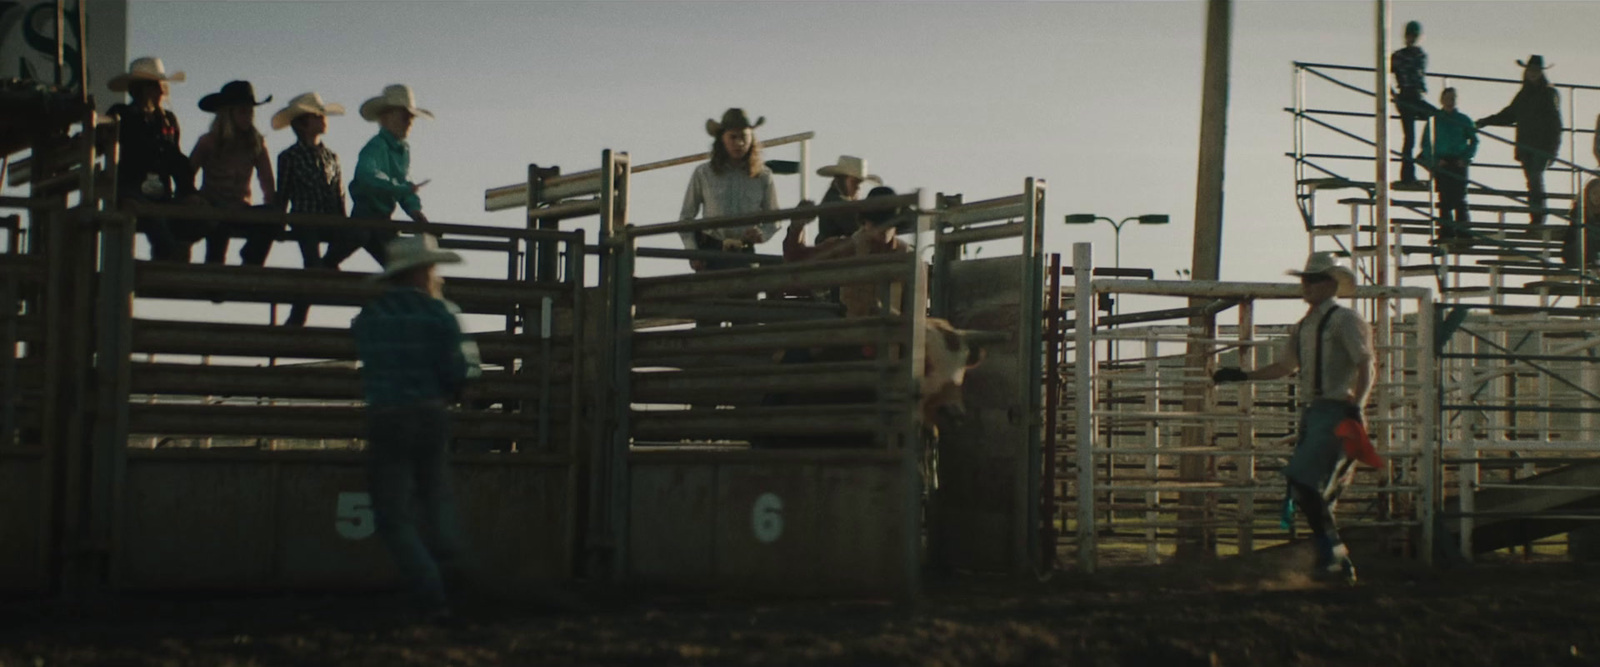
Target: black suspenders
(1322,327)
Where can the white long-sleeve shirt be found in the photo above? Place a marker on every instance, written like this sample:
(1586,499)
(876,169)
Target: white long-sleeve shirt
(731,192)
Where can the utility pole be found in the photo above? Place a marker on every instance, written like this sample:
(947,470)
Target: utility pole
(1196,540)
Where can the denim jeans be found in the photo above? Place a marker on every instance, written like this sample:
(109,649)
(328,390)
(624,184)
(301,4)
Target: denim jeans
(409,480)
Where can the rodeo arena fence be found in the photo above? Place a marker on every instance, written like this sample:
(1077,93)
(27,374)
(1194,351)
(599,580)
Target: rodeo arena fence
(722,430)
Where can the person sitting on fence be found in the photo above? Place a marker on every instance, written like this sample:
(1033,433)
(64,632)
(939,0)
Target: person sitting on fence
(733,182)
(848,174)
(873,234)
(151,166)
(414,363)
(1332,348)
(1448,145)
(1536,111)
(311,182)
(1578,244)
(383,169)
(226,156)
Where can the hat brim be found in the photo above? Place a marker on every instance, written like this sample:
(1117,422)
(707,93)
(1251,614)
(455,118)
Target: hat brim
(403,264)
(715,129)
(1526,65)
(119,83)
(371,109)
(286,115)
(215,101)
(833,170)
(1341,274)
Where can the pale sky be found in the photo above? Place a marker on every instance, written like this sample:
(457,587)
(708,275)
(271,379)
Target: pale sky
(1100,99)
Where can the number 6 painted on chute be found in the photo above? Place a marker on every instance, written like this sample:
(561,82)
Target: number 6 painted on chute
(767,518)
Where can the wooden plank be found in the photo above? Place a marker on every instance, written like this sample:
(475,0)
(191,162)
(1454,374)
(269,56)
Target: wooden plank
(305,382)
(731,385)
(248,340)
(302,422)
(741,310)
(855,331)
(321,286)
(747,422)
(784,277)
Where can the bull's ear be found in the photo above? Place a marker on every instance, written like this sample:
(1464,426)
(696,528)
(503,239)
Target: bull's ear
(976,355)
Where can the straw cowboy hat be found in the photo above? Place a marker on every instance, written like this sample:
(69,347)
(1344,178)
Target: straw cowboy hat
(143,69)
(410,252)
(1534,62)
(732,119)
(395,96)
(1325,264)
(301,105)
(233,93)
(849,165)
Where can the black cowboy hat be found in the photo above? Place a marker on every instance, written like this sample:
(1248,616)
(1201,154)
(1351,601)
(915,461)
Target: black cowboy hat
(903,223)
(1534,61)
(732,119)
(233,93)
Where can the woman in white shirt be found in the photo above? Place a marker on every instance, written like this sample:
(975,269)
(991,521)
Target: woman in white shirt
(733,182)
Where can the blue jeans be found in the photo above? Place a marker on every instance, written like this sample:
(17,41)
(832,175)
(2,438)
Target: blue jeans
(408,475)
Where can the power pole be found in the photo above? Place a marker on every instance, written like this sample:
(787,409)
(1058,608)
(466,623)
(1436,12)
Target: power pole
(1195,539)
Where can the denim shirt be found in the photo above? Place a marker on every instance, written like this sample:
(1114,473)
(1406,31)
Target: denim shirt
(412,350)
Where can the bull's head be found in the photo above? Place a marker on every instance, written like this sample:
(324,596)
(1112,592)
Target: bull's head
(948,354)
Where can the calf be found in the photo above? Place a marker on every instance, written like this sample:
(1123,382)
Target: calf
(947,355)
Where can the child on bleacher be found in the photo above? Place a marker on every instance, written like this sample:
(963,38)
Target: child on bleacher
(151,164)
(1448,145)
(310,181)
(226,156)
(1580,240)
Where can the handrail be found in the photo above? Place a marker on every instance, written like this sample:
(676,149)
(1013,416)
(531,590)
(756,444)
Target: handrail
(860,206)
(1440,75)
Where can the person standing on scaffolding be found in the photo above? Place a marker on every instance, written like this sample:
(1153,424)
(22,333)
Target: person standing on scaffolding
(733,182)
(1536,111)
(1336,345)
(1410,68)
(383,168)
(414,363)
(1448,145)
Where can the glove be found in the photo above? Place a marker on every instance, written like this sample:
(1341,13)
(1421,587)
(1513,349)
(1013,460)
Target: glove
(1229,374)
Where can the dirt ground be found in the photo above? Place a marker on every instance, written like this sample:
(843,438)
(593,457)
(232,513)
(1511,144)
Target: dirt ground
(1229,613)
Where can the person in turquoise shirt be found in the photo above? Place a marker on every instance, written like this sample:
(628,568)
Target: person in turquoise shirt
(1448,145)
(382,170)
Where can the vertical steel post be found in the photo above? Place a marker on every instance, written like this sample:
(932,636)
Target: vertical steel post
(805,169)
(1052,406)
(1030,345)
(1428,449)
(1083,364)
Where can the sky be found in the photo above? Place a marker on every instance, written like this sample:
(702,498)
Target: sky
(1099,99)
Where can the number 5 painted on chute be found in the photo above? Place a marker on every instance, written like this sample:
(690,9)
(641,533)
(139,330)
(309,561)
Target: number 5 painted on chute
(353,516)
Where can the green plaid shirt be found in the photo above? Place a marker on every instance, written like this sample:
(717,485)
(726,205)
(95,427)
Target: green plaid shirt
(412,349)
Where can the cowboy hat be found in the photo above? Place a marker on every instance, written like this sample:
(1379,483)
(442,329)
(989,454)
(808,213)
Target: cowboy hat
(395,96)
(1325,264)
(1534,61)
(732,119)
(147,68)
(301,105)
(409,252)
(233,93)
(849,165)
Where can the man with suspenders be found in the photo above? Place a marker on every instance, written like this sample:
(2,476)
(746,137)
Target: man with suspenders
(1335,345)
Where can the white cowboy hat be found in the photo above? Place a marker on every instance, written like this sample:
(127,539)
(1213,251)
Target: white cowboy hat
(1324,263)
(409,252)
(303,104)
(395,96)
(146,69)
(849,165)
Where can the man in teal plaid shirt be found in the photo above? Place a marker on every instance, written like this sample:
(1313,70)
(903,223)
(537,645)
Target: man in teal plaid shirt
(414,363)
